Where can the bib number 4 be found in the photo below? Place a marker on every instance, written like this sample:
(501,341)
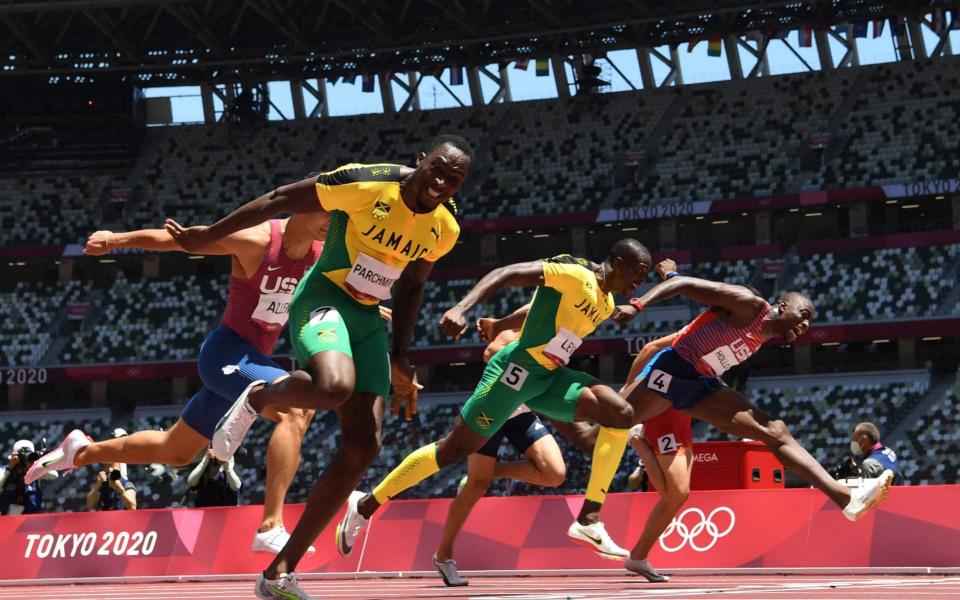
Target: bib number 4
(659,381)
(514,376)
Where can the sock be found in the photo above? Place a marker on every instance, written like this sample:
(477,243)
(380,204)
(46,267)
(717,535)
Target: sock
(417,466)
(607,453)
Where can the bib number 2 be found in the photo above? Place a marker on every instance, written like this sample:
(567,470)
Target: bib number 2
(667,443)
(514,376)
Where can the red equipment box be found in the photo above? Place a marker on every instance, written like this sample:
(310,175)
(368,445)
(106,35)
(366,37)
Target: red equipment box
(735,466)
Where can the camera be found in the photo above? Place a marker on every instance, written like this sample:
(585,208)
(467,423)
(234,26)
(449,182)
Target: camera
(846,469)
(115,475)
(28,456)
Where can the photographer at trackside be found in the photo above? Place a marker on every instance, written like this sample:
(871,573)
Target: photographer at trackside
(215,482)
(112,491)
(16,498)
(872,456)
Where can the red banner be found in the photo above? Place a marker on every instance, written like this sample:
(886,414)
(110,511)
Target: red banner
(797,528)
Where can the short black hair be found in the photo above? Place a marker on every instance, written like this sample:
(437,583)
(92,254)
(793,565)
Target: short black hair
(799,294)
(456,141)
(628,248)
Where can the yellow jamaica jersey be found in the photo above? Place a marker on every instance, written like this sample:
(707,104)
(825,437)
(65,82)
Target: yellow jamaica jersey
(372,234)
(566,308)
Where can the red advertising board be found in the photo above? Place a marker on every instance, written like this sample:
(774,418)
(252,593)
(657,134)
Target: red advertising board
(775,528)
(735,466)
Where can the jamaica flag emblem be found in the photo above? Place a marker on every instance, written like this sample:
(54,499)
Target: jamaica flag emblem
(380,210)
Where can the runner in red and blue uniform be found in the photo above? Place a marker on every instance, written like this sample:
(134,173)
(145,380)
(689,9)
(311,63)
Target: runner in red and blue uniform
(268,260)
(686,375)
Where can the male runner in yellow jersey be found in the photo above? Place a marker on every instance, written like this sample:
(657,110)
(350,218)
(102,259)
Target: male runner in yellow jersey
(388,225)
(573,297)
(543,463)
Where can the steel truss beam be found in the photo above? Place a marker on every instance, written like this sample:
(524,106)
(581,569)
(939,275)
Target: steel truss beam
(262,40)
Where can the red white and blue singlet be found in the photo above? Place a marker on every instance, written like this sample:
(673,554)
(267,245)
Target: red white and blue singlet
(712,346)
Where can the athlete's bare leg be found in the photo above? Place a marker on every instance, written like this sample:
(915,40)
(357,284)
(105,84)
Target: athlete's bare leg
(326,384)
(360,420)
(177,446)
(581,434)
(283,459)
(645,402)
(543,466)
(730,412)
(670,474)
(601,404)
(479,474)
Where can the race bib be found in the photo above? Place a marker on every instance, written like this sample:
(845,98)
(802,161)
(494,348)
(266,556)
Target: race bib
(667,443)
(514,376)
(324,314)
(726,357)
(370,279)
(562,345)
(660,381)
(273,309)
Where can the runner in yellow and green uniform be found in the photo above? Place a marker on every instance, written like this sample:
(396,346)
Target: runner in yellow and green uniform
(573,297)
(388,225)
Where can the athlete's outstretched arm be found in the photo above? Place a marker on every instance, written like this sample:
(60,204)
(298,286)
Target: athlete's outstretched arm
(740,302)
(294,198)
(102,242)
(528,274)
(514,320)
(491,327)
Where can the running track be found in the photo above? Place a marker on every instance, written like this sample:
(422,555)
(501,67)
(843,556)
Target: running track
(734,587)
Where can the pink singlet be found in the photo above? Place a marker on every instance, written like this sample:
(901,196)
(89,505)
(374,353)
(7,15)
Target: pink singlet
(257,307)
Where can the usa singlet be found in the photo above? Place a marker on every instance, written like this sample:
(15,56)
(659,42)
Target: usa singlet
(257,307)
(712,346)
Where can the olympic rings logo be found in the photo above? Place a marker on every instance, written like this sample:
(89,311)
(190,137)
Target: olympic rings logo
(705,532)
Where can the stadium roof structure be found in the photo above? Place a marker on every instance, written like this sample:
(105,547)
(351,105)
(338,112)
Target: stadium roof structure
(175,42)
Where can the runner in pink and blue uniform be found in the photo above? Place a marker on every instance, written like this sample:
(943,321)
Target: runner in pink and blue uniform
(268,260)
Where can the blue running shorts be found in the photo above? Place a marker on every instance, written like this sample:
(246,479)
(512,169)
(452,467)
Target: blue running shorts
(227,365)
(672,377)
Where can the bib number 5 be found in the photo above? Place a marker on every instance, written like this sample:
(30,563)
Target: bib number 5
(514,376)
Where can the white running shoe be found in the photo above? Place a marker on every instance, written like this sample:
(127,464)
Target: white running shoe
(284,587)
(273,540)
(448,570)
(60,458)
(350,525)
(868,495)
(645,570)
(595,537)
(234,425)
